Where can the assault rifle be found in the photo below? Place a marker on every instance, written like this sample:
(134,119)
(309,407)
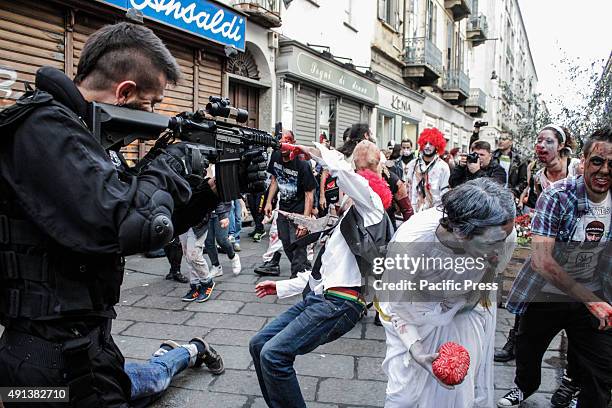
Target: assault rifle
(216,133)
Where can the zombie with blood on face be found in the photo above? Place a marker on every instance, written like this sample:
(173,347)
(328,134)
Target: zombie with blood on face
(553,150)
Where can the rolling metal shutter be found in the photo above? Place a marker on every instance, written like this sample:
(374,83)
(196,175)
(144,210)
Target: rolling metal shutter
(179,98)
(209,78)
(305,115)
(31,36)
(349,113)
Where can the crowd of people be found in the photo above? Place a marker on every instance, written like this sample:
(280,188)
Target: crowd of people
(450,200)
(337,215)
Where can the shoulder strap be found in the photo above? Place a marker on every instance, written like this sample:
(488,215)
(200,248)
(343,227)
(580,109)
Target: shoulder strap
(15,114)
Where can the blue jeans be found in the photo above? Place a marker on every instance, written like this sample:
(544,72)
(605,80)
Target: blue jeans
(220,234)
(314,321)
(235,220)
(151,379)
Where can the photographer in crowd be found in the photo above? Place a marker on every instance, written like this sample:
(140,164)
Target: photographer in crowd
(477,164)
(71,210)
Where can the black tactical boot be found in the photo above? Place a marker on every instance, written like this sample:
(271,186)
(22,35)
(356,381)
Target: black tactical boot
(177,276)
(268,268)
(507,352)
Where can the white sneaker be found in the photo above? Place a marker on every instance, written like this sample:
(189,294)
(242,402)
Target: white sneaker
(513,398)
(236,266)
(216,271)
(231,239)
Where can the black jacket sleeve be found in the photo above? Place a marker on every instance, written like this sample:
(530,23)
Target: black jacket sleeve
(521,183)
(458,176)
(498,174)
(69,187)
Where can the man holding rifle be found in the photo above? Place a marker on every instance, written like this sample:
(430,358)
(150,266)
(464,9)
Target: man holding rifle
(70,210)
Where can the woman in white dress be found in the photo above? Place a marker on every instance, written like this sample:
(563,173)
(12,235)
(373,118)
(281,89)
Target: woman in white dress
(476,221)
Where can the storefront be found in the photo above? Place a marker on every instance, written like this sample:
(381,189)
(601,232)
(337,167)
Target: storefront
(398,112)
(320,96)
(35,33)
(250,78)
(454,123)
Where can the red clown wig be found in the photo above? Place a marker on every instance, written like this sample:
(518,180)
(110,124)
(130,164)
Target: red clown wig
(379,185)
(433,136)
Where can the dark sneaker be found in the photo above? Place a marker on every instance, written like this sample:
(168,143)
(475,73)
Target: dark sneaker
(208,356)
(565,394)
(160,253)
(193,294)
(377,321)
(251,234)
(268,268)
(177,276)
(512,399)
(507,352)
(206,290)
(258,236)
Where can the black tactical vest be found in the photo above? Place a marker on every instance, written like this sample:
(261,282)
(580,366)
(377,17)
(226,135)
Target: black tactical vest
(39,278)
(366,243)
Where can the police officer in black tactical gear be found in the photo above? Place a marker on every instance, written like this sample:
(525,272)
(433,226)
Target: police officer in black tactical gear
(70,211)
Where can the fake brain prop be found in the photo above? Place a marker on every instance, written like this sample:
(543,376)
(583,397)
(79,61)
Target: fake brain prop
(452,364)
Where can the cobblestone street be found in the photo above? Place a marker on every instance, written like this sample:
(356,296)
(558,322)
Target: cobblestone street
(345,373)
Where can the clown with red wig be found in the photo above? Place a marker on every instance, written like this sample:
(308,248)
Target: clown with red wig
(428,174)
(336,300)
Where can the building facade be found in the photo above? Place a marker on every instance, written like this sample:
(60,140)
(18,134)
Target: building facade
(317,66)
(34,34)
(322,68)
(503,75)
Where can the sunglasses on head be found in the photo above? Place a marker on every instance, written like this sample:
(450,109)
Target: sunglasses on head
(599,161)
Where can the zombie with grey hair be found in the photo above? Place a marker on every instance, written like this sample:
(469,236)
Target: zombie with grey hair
(439,287)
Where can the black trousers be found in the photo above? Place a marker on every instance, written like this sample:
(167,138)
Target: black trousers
(297,256)
(591,349)
(95,378)
(571,369)
(253,201)
(174,253)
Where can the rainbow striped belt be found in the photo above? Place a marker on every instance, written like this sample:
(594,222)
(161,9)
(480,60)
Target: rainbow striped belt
(346,294)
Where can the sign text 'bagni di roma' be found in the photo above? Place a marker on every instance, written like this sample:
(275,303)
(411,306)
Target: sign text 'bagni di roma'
(339,78)
(200,17)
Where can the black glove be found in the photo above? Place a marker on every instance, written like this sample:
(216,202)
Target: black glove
(190,157)
(203,200)
(252,171)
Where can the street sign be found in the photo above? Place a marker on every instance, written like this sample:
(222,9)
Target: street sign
(203,18)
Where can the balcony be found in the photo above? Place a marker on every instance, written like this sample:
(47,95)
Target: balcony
(423,61)
(266,13)
(476,104)
(477,30)
(455,87)
(459,8)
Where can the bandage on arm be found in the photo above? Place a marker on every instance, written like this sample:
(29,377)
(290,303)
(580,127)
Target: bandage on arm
(407,333)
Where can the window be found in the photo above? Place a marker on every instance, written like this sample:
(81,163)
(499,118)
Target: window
(287,105)
(431,21)
(388,11)
(385,131)
(328,107)
(413,18)
(450,29)
(348,11)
